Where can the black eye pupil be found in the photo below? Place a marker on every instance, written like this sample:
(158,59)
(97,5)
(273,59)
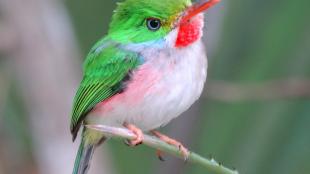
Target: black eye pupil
(153,24)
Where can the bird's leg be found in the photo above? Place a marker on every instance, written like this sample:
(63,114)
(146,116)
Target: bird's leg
(138,132)
(171,141)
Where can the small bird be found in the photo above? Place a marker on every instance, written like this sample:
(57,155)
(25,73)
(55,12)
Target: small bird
(148,69)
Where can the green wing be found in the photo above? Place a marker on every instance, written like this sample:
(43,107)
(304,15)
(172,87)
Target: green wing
(105,71)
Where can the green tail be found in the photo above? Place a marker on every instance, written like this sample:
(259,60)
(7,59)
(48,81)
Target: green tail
(83,158)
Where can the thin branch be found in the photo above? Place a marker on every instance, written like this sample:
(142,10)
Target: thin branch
(156,143)
(270,90)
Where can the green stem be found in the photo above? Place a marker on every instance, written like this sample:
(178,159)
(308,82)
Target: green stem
(156,143)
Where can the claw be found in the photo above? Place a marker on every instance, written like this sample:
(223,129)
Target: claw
(138,132)
(182,149)
(184,152)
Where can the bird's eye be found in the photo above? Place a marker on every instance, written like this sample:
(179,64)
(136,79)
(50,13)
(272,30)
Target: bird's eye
(153,24)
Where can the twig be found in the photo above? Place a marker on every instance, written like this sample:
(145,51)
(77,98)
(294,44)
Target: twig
(156,143)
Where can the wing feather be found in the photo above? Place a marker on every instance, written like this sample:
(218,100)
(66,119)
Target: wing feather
(105,72)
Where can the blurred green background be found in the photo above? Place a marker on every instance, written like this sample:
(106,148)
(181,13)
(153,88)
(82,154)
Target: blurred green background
(254,114)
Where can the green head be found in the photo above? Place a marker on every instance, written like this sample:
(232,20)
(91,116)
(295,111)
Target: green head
(138,21)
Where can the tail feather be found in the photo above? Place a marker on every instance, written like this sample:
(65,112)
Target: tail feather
(83,158)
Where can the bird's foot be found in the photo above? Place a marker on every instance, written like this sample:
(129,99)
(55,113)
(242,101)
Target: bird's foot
(182,149)
(138,132)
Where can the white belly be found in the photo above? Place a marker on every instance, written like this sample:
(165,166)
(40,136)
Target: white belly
(164,87)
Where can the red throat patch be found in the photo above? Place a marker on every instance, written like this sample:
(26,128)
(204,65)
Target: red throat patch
(189,31)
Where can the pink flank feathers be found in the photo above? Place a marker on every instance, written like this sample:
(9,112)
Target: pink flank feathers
(142,83)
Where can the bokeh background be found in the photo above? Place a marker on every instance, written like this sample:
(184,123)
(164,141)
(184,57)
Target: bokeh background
(254,114)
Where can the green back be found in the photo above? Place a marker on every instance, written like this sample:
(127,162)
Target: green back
(105,70)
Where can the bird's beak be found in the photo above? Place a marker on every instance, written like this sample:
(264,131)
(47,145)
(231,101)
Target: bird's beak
(197,8)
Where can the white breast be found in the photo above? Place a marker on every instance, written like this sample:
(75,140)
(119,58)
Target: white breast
(184,75)
(172,81)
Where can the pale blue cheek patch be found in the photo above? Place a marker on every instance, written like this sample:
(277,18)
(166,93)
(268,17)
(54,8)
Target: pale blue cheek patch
(138,47)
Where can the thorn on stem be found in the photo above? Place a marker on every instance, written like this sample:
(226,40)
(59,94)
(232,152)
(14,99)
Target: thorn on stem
(161,159)
(210,156)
